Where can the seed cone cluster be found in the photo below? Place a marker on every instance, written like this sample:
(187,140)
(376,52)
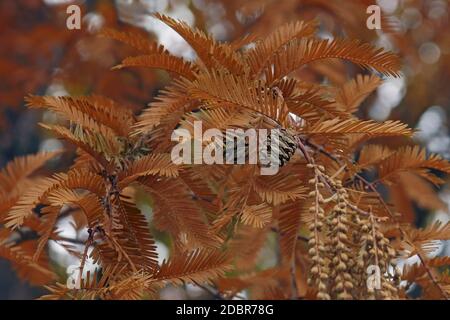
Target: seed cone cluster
(318,248)
(345,244)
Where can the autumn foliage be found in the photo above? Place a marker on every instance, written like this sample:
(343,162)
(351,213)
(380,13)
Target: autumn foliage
(324,216)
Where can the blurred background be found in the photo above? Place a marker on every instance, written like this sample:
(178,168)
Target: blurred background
(39,55)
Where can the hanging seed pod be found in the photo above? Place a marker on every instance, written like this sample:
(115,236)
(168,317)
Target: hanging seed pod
(277,148)
(343,282)
(376,253)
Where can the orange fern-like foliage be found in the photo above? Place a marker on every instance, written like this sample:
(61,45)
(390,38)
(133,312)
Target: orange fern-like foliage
(319,213)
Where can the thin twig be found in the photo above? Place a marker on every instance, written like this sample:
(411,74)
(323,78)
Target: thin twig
(299,237)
